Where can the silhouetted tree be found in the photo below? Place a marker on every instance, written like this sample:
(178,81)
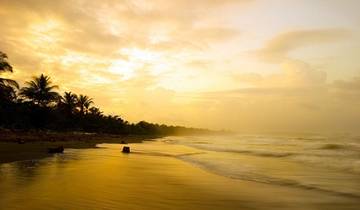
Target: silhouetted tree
(95,111)
(7,86)
(68,103)
(40,91)
(84,103)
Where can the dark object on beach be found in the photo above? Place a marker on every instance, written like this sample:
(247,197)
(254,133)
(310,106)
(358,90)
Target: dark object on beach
(56,150)
(21,142)
(123,142)
(126,149)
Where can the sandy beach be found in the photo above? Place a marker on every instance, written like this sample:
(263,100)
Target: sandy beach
(104,178)
(15,146)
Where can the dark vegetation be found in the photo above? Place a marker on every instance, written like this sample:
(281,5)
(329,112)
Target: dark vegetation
(38,106)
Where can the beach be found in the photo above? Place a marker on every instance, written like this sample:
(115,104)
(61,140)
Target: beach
(153,176)
(16,146)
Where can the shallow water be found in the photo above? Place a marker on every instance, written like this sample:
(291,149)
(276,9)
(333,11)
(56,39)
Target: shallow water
(330,164)
(186,173)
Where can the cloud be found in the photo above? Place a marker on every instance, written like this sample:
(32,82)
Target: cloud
(298,98)
(293,74)
(278,48)
(348,90)
(46,32)
(352,85)
(162,60)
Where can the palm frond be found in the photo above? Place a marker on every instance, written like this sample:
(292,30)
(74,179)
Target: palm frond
(4,64)
(9,82)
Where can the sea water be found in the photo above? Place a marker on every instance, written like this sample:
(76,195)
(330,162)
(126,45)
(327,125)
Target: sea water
(329,164)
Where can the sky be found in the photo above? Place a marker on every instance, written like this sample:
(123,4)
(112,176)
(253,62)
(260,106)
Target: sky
(243,65)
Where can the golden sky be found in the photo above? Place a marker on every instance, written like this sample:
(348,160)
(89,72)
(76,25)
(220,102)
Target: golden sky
(246,65)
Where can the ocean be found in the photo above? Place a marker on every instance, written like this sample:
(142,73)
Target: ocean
(330,164)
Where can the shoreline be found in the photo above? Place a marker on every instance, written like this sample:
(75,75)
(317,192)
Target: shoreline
(17,146)
(75,180)
(170,183)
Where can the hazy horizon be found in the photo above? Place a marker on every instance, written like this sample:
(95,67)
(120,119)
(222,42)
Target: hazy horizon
(242,65)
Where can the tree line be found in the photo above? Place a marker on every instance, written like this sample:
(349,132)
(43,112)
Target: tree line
(39,106)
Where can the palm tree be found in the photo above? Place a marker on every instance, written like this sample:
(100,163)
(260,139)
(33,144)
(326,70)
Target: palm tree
(84,103)
(7,86)
(69,102)
(95,111)
(40,91)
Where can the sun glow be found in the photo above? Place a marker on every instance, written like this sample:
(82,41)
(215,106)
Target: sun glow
(124,68)
(45,34)
(135,59)
(141,55)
